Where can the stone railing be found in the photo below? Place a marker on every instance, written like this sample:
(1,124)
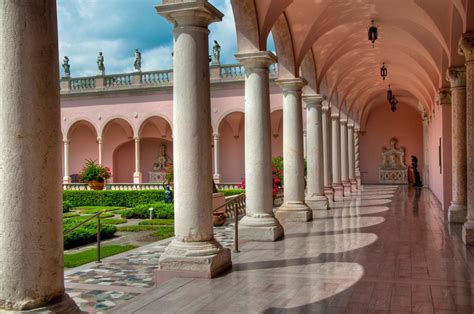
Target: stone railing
(140,186)
(118,80)
(232,71)
(156,77)
(227,186)
(80,83)
(239,204)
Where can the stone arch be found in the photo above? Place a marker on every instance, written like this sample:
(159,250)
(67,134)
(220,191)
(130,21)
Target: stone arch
(160,122)
(125,121)
(82,137)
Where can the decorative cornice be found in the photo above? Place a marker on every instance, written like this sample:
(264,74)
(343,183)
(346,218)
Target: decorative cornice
(444,96)
(466,47)
(456,76)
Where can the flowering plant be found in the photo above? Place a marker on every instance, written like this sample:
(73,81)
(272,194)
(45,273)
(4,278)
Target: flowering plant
(93,171)
(277,176)
(169,173)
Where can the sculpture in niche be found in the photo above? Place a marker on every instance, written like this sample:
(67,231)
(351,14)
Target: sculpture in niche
(158,173)
(393,169)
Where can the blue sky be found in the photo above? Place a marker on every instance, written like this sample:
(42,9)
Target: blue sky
(117,27)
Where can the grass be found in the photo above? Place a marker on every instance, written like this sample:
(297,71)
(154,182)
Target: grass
(70,215)
(95,209)
(153,222)
(164,233)
(84,217)
(137,228)
(77,259)
(113,221)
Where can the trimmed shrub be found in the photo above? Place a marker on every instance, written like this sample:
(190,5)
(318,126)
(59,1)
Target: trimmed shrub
(161,210)
(67,205)
(86,233)
(113,198)
(232,192)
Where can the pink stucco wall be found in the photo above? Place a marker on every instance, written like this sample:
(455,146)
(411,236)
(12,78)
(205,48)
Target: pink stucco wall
(382,125)
(82,146)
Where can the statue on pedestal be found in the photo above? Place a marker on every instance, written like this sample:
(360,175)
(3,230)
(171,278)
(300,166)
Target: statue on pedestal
(66,67)
(414,165)
(100,64)
(168,194)
(216,53)
(138,61)
(158,172)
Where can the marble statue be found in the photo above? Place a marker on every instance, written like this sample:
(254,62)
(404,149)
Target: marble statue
(66,67)
(100,63)
(158,173)
(393,169)
(168,194)
(216,53)
(138,61)
(414,165)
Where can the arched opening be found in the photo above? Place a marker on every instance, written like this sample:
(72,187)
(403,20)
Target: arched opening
(83,145)
(232,147)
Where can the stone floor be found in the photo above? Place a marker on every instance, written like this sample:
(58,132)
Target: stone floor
(384,250)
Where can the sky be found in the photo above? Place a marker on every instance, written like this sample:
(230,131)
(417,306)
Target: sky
(117,27)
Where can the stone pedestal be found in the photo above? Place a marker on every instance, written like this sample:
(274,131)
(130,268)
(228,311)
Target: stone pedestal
(294,207)
(259,222)
(336,158)
(458,210)
(194,249)
(31,233)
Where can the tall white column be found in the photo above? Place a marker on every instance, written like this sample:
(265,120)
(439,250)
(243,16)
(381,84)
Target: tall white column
(466,46)
(31,227)
(217,158)
(137,175)
(305,144)
(336,158)
(357,156)
(457,212)
(327,168)
(100,146)
(294,207)
(345,158)
(259,222)
(352,166)
(67,177)
(315,197)
(194,248)
(426,152)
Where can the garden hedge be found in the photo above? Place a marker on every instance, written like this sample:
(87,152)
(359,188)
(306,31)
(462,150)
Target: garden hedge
(161,210)
(86,233)
(231,192)
(113,198)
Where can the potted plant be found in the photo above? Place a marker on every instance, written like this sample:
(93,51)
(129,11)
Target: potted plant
(95,174)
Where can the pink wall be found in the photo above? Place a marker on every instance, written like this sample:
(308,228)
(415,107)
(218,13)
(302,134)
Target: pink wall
(382,125)
(232,153)
(83,145)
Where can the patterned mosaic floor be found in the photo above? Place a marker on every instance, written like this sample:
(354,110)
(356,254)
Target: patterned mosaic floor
(100,287)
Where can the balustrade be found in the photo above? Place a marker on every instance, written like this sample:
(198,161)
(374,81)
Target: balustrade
(118,80)
(82,83)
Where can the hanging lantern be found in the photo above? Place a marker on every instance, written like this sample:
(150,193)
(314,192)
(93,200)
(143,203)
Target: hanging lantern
(373,33)
(389,94)
(383,71)
(393,104)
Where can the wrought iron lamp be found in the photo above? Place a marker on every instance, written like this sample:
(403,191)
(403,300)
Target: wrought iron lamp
(373,33)
(393,104)
(383,71)
(389,93)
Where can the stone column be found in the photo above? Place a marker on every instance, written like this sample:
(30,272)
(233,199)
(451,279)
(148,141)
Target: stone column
(327,168)
(426,152)
(336,158)
(466,47)
(101,146)
(356,155)
(305,144)
(350,142)
(294,207)
(67,177)
(193,248)
(315,197)
(137,175)
(217,158)
(259,222)
(458,210)
(345,158)
(31,226)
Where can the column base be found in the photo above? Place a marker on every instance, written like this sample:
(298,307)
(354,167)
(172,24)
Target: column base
(338,192)
(347,188)
(457,213)
(317,202)
(66,179)
(203,259)
(468,232)
(62,304)
(137,177)
(294,211)
(260,227)
(329,193)
(353,185)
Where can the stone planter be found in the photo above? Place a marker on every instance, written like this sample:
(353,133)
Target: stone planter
(96,185)
(218,217)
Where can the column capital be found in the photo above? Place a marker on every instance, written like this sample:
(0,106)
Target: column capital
(291,84)
(456,76)
(256,60)
(189,14)
(325,108)
(350,125)
(99,140)
(313,100)
(136,139)
(466,46)
(216,136)
(444,96)
(343,121)
(335,116)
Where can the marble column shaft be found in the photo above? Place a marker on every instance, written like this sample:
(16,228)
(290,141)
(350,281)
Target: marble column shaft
(31,226)
(352,166)
(137,175)
(458,210)
(336,158)
(101,147)
(345,158)
(259,222)
(217,157)
(426,152)
(356,155)
(327,165)
(315,197)
(194,248)
(67,177)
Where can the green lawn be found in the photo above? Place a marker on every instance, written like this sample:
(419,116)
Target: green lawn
(164,233)
(162,222)
(161,232)
(95,209)
(137,228)
(77,259)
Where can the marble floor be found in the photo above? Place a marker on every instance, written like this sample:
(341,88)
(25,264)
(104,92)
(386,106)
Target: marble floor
(384,250)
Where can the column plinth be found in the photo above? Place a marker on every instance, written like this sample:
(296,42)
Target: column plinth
(259,222)
(336,158)
(346,183)
(315,197)
(194,248)
(294,207)
(457,212)
(326,126)
(31,227)
(466,47)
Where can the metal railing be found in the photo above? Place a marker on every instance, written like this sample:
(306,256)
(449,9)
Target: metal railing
(97,215)
(234,204)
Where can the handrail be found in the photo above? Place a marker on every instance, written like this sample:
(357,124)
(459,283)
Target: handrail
(236,218)
(97,215)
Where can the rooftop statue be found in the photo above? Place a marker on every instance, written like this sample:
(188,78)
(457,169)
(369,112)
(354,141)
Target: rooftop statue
(66,67)
(216,53)
(100,64)
(138,61)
